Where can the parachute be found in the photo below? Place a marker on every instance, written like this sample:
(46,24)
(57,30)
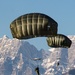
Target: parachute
(33,25)
(59,40)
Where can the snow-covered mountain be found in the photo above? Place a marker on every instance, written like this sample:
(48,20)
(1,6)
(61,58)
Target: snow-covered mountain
(17,58)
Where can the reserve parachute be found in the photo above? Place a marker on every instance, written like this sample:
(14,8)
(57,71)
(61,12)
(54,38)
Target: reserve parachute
(33,25)
(59,40)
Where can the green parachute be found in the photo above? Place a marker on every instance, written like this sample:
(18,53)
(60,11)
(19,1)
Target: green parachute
(59,40)
(39,25)
(33,25)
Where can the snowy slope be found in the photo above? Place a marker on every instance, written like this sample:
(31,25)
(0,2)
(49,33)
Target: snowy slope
(16,58)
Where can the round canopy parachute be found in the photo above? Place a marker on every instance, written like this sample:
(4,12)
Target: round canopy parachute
(33,25)
(59,40)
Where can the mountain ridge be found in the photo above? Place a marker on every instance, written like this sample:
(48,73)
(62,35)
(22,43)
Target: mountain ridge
(19,55)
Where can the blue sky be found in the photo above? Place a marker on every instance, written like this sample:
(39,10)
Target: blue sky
(62,11)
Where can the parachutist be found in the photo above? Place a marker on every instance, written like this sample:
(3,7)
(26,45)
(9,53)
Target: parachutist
(58,64)
(37,70)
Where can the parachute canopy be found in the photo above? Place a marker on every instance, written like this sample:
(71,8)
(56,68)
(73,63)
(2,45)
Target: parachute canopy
(33,25)
(59,40)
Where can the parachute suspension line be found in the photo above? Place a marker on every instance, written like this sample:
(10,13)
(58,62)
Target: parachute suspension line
(28,57)
(58,57)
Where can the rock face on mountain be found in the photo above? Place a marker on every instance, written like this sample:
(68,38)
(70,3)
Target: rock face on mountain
(17,58)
